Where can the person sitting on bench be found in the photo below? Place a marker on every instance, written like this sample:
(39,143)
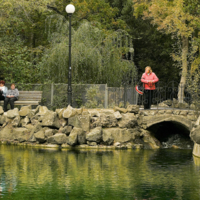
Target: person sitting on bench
(11,96)
(3,90)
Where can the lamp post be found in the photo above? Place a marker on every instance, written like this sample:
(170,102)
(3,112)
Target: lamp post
(70,9)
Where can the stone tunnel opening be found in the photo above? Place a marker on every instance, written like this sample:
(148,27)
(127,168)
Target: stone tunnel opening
(172,135)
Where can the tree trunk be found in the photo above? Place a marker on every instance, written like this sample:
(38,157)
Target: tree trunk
(184,69)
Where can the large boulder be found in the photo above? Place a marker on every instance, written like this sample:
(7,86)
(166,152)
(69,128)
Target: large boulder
(95,135)
(24,111)
(40,136)
(42,110)
(133,109)
(51,119)
(120,135)
(2,119)
(69,112)
(21,134)
(73,138)
(13,113)
(148,138)
(80,121)
(50,132)
(58,138)
(106,120)
(128,120)
(36,128)
(66,130)
(24,122)
(16,121)
(121,110)
(195,135)
(6,133)
(80,135)
(117,115)
(107,137)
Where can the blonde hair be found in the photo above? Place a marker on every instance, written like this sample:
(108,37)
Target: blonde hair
(148,68)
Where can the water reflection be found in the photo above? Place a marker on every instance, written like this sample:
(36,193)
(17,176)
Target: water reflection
(139,174)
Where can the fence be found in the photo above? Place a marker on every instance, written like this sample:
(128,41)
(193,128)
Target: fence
(88,95)
(101,96)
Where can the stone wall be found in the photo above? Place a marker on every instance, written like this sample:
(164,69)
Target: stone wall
(70,127)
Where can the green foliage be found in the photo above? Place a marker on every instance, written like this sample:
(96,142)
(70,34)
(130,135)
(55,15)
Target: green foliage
(94,97)
(96,57)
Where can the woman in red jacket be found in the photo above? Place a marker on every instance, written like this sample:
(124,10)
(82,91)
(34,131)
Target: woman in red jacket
(149,79)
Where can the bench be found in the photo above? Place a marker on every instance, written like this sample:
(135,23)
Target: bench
(28,98)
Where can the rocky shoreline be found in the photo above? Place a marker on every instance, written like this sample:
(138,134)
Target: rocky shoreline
(68,128)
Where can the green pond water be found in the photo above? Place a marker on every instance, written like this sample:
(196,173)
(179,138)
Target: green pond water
(27,173)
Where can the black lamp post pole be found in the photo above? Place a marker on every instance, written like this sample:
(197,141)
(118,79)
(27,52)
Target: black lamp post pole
(69,90)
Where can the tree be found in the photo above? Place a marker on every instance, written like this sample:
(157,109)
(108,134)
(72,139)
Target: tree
(175,18)
(96,56)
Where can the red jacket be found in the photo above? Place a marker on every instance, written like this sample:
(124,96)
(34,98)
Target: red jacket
(146,78)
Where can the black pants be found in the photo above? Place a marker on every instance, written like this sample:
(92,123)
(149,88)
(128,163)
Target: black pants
(2,98)
(148,96)
(9,100)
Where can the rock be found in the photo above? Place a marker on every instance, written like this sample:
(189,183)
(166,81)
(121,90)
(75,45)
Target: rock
(192,106)
(69,112)
(1,110)
(121,110)
(50,132)
(73,138)
(16,121)
(37,109)
(2,119)
(60,112)
(29,127)
(50,119)
(94,113)
(117,115)
(95,135)
(24,111)
(183,105)
(107,137)
(79,111)
(161,112)
(169,112)
(66,130)
(105,120)
(42,110)
(197,123)
(13,113)
(6,133)
(128,121)
(162,104)
(80,121)
(35,129)
(176,112)
(91,143)
(192,117)
(58,138)
(40,137)
(21,134)
(117,144)
(133,109)
(81,135)
(25,121)
(184,113)
(168,102)
(121,135)
(63,122)
(150,139)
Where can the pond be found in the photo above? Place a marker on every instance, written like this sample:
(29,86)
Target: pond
(36,174)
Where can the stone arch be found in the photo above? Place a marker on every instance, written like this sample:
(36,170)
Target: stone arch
(148,121)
